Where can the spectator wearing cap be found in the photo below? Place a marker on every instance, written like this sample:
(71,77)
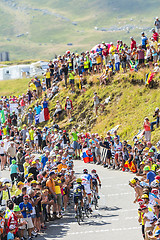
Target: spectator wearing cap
(155,35)
(148,216)
(26,210)
(33,169)
(138,189)
(155,115)
(14,118)
(13,171)
(14,218)
(112,52)
(65,138)
(45,159)
(10,235)
(52,195)
(144,40)
(38,85)
(157,234)
(150,175)
(18,191)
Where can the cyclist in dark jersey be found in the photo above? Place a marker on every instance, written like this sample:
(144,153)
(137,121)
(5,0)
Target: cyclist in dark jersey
(78,193)
(95,181)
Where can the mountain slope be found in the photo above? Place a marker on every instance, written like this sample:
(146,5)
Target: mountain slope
(41,29)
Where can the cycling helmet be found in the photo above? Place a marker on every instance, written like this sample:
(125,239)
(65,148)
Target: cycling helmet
(154,191)
(93,171)
(154,184)
(79,180)
(85,170)
(158,144)
(2,210)
(157,178)
(145,196)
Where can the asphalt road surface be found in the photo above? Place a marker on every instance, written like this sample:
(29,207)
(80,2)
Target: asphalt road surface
(116,217)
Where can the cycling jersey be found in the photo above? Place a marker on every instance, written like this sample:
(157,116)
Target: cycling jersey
(77,190)
(86,179)
(95,178)
(118,147)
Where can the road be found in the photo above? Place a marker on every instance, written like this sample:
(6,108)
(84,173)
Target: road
(115,219)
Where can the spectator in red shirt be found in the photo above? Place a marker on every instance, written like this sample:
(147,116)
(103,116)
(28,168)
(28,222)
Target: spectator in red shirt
(13,219)
(133,43)
(105,53)
(155,35)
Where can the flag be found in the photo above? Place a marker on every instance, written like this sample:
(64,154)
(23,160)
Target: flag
(149,78)
(114,129)
(87,156)
(44,115)
(133,66)
(131,166)
(2,117)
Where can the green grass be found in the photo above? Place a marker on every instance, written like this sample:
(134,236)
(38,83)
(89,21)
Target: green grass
(131,101)
(49,35)
(130,104)
(13,87)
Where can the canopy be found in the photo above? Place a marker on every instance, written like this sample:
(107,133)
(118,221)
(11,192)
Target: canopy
(96,46)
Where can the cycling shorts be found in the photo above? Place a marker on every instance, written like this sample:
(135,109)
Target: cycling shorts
(76,198)
(87,189)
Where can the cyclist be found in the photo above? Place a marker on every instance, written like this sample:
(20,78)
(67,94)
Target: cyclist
(95,180)
(87,183)
(78,193)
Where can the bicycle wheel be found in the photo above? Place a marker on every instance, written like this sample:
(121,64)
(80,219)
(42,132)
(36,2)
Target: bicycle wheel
(78,216)
(87,212)
(96,204)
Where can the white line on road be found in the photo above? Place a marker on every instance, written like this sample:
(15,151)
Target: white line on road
(105,230)
(119,194)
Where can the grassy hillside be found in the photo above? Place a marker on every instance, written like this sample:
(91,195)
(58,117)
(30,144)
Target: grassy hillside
(131,101)
(41,29)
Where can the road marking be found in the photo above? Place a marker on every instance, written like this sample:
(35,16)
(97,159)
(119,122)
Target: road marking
(119,194)
(105,230)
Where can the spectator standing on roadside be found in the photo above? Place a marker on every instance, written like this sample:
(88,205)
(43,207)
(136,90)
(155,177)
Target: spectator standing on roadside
(48,78)
(133,44)
(155,35)
(76,145)
(37,83)
(14,118)
(157,25)
(144,40)
(68,107)
(147,129)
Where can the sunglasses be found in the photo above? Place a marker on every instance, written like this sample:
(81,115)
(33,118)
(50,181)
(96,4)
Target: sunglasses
(25,198)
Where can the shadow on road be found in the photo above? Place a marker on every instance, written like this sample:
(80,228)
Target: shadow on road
(114,208)
(59,228)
